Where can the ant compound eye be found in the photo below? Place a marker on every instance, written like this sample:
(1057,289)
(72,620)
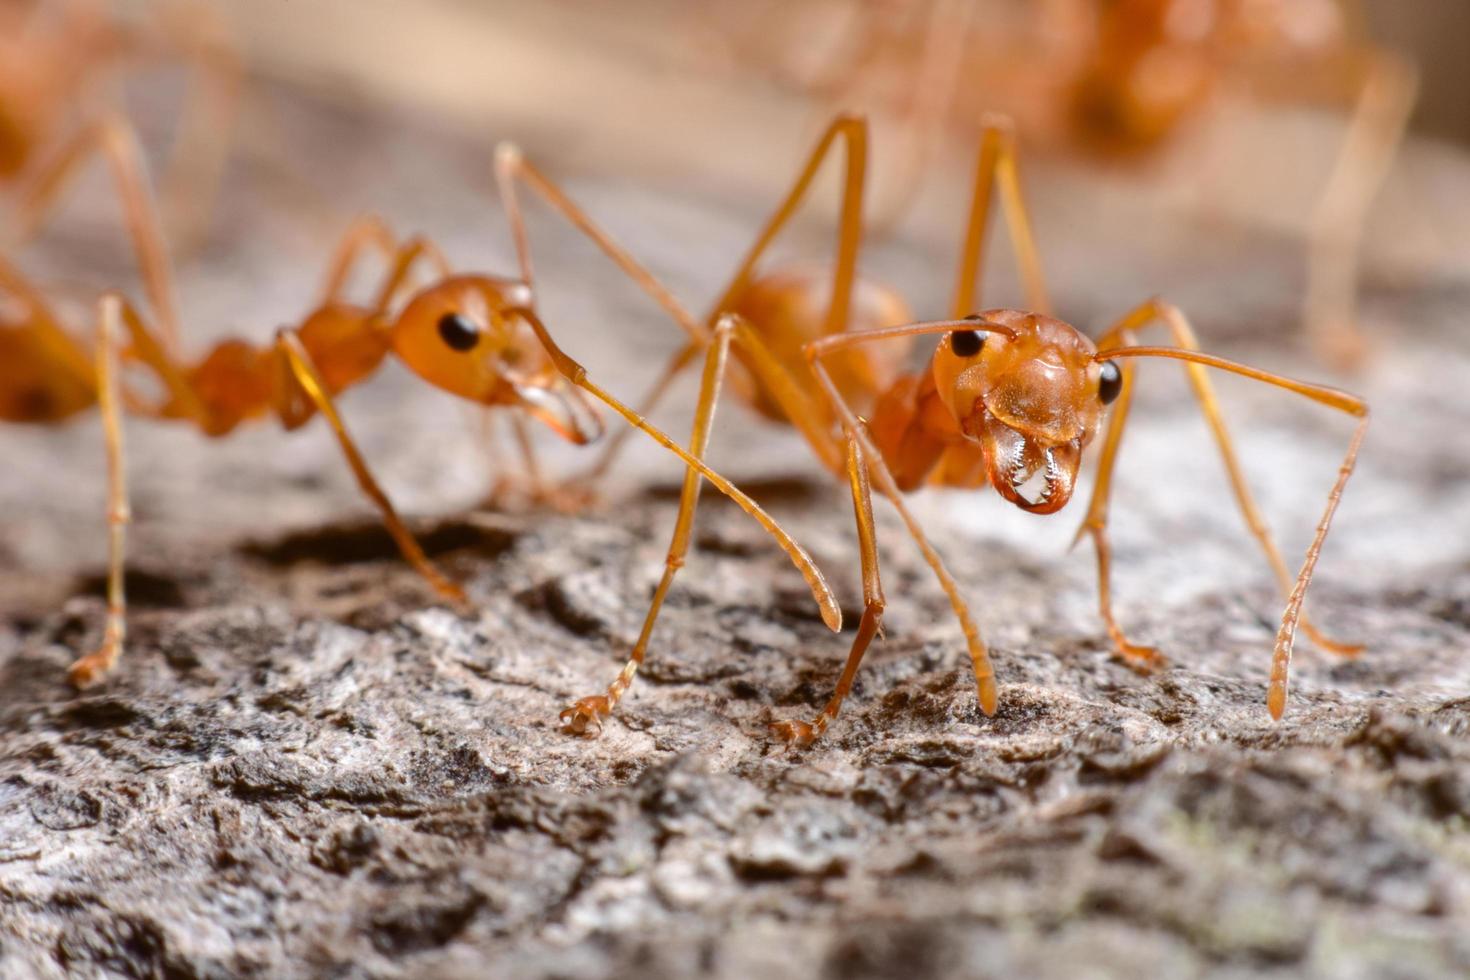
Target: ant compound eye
(966,343)
(459,331)
(1109,383)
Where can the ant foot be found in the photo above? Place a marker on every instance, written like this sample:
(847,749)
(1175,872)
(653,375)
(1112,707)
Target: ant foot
(1345,651)
(794,732)
(90,669)
(584,717)
(1145,660)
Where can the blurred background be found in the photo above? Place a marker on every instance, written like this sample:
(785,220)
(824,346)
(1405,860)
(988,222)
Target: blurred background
(1233,112)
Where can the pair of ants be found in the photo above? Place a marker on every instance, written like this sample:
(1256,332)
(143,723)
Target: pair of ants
(1009,397)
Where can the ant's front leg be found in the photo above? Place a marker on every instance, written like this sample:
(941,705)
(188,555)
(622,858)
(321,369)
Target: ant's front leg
(1111,347)
(299,362)
(1095,524)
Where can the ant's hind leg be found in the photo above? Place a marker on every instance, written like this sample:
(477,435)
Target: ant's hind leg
(804,732)
(89,669)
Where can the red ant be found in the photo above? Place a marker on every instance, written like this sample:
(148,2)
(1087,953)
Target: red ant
(472,335)
(1122,78)
(1010,398)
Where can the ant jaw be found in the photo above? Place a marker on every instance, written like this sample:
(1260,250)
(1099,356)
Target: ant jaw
(563,408)
(1038,479)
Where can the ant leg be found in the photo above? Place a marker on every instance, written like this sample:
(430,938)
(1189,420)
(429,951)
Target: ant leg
(192,36)
(1383,104)
(1173,319)
(576,374)
(1096,521)
(854,130)
(533,483)
(311,382)
(89,669)
(368,231)
(114,138)
(676,366)
(205,132)
(815,351)
(412,251)
(996,165)
(802,732)
(587,714)
(510,164)
(935,87)
(1331,397)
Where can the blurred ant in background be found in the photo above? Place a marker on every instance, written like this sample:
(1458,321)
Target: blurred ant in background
(1113,79)
(475,336)
(1010,398)
(61,64)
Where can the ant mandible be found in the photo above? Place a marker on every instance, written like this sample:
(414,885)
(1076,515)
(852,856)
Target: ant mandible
(1010,398)
(472,335)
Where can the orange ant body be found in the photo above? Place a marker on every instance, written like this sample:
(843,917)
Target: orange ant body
(56,61)
(1010,398)
(474,336)
(1123,78)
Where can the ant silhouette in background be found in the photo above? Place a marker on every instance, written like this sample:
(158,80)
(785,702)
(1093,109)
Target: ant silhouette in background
(59,62)
(1116,81)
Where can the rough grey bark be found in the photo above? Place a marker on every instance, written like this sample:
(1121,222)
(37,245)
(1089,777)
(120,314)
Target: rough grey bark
(305,765)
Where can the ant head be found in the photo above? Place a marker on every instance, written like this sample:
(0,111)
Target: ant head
(462,335)
(1032,397)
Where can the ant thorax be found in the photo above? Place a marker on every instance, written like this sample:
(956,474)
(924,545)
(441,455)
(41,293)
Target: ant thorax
(788,308)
